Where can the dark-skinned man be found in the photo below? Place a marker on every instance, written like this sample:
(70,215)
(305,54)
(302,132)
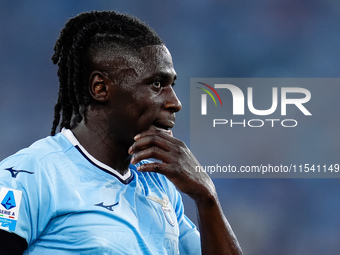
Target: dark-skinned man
(92,188)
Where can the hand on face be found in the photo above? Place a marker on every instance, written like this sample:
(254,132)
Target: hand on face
(178,164)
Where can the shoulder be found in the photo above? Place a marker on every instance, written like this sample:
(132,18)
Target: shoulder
(32,164)
(46,146)
(37,152)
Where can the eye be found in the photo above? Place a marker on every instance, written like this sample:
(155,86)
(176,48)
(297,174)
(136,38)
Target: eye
(157,84)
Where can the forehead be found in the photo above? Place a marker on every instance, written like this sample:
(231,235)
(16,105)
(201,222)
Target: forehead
(155,59)
(146,62)
(156,55)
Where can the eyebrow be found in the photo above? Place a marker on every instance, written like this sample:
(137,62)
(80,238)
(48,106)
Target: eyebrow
(162,76)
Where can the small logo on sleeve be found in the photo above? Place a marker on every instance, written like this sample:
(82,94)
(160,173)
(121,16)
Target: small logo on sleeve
(15,173)
(9,201)
(9,208)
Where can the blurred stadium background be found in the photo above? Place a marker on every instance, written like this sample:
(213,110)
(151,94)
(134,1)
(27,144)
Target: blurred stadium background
(207,38)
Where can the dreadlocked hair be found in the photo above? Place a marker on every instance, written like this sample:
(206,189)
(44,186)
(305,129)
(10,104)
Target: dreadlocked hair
(81,36)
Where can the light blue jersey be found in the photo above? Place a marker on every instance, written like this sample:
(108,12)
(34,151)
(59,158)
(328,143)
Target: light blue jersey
(63,201)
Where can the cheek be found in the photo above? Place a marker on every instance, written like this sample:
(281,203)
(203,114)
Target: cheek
(126,101)
(147,109)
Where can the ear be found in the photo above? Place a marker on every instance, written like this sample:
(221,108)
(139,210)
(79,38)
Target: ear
(98,86)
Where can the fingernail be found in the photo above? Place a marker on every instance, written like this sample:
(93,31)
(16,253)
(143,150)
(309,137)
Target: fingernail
(130,150)
(136,137)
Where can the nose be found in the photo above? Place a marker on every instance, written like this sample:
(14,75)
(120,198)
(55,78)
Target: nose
(172,102)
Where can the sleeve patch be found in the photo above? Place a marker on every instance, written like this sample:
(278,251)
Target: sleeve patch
(9,208)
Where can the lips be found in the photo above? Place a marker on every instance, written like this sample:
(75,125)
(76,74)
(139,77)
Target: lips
(164,124)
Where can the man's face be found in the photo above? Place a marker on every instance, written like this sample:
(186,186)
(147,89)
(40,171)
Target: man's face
(142,97)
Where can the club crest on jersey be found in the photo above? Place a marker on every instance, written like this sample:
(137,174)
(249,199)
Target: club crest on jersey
(165,208)
(9,208)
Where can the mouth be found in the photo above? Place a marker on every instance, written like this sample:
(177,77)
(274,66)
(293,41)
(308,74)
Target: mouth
(164,125)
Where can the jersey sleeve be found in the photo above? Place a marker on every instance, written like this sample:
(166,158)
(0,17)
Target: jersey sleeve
(25,200)
(189,237)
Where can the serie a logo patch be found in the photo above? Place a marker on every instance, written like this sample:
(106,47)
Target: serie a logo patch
(9,208)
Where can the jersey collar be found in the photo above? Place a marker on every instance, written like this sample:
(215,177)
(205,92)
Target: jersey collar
(126,178)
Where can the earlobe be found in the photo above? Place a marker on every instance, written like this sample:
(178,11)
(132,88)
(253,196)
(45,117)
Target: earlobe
(98,83)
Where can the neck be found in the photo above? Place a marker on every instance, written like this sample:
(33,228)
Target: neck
(104,147)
